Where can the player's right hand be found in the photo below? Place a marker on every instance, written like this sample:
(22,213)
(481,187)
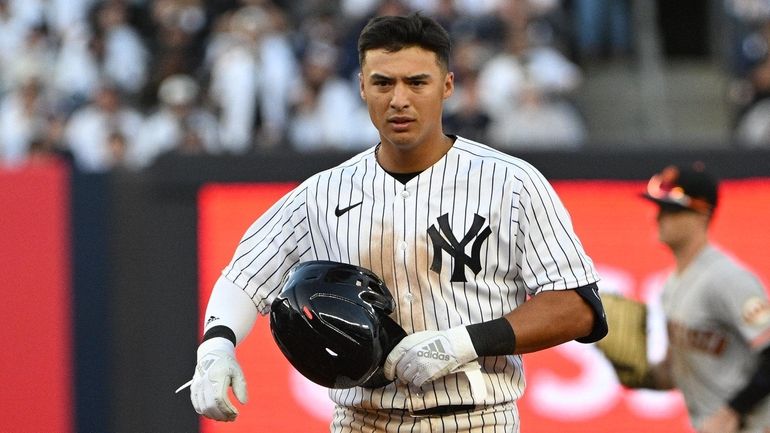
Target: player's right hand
(427,355)
(216,371)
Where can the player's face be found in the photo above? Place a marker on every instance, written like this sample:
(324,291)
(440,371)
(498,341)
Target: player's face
(677,226)
(405,92)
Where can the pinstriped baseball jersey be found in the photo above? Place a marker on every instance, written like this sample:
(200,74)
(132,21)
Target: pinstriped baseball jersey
(465,241)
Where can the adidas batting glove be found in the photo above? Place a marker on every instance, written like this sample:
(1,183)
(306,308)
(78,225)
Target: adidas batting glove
(216,372)
(427,355)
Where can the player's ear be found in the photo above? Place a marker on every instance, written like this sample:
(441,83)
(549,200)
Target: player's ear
(449,84)
(361,86)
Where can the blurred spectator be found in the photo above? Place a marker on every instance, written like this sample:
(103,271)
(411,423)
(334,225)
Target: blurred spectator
(358,9)
(107,47)
(62,15)
(539,122)
(464,114)
(445,12)
(748,52)
(759,76)
(11,38)
(753,128)
(23,116)
(177,116)
(89,129)
(746,44)
(76,73)
(28,13)
(753,98)
(253,69)
(49,144)
(478,7)
(280,72)
(233,54)
(118,48)
(328,113)
(602,28)
(473,7)
(174,38)
(35,57)
(530,83)
(503,76)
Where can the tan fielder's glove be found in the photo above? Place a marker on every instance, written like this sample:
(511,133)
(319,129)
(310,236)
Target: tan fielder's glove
(625,345)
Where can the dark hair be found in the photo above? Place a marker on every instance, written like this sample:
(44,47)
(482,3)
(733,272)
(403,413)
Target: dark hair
(393,33)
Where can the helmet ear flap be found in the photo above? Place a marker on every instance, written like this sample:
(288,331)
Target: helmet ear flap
(391,333)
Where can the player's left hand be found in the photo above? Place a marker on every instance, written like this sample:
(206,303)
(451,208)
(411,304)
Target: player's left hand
(427,355)
(724,420)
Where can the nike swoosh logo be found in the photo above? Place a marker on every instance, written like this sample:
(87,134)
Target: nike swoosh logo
(339,212)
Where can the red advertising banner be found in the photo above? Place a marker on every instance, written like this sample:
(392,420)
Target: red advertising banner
(571,388)
(36,363)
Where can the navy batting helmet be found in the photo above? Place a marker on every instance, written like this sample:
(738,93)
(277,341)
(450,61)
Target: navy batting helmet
(331,321)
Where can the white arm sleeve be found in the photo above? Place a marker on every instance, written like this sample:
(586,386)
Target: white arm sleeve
(230,306)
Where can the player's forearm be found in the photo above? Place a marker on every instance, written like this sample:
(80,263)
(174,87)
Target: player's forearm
(549,319)
(229,307)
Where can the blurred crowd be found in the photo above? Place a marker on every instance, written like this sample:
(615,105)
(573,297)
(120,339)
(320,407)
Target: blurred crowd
(114,84)
(749,65)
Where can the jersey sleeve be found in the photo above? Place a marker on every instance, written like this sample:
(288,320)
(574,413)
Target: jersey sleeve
(741,302)
(548,253)
(269,248)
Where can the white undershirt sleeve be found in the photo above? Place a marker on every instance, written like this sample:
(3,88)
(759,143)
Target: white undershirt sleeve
(230,306)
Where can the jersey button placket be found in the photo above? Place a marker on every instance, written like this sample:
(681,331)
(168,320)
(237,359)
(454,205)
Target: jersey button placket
(408,297)
(411,298)
(399,257)
(402,245)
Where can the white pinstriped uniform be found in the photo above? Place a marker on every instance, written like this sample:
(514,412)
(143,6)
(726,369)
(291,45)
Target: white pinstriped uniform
(497,209)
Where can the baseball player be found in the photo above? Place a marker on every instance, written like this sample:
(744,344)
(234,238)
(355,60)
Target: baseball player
(475,246)
(717,312)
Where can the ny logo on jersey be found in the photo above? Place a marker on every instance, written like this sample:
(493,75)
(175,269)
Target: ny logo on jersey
(448,242)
